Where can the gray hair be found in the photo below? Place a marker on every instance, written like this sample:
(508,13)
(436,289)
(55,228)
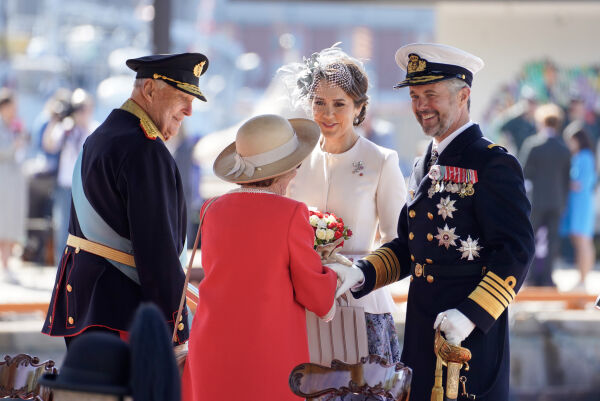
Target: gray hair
(139,82)
(455,84)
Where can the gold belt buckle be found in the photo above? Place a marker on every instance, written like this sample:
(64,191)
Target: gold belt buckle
(418,270)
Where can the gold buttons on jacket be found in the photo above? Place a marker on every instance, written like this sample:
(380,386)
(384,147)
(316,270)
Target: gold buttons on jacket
(430,216)
(69,288)
(50,319)
(412,214)
(180,318)
(411,278)
(411,236)
(418,270)
(429,261)
(71,320)
(66,249)
(430,237)
(430,279)
(180,326)
(412,257)
(77,250)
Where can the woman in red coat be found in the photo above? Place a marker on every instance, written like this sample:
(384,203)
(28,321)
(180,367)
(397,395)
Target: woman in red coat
(249,330)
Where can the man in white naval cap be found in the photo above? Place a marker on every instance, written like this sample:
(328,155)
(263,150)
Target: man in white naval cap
(464,235)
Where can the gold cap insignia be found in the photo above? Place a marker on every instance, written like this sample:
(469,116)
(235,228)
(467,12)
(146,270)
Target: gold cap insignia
(415,64)
(198,68)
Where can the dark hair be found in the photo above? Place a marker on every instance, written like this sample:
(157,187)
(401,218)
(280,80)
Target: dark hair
(6,96)
(356,89)
(549,115)
(576,131)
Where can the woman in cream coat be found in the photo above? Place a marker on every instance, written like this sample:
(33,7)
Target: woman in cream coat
(352,177)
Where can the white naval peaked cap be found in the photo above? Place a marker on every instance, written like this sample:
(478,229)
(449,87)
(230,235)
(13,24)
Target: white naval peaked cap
(426,63)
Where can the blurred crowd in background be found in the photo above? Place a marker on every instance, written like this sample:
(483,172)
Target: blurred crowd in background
(62,69)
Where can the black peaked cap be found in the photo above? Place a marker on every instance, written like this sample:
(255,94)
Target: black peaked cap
(181,71)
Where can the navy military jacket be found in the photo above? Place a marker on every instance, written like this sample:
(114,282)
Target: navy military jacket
(466,247)
(132,182)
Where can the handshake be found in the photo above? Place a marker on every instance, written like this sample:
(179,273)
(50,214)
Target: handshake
(349,276)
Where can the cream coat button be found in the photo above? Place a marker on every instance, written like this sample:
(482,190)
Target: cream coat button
(69,288)
(71,320)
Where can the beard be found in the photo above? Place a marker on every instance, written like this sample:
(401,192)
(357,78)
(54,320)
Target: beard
(434,130)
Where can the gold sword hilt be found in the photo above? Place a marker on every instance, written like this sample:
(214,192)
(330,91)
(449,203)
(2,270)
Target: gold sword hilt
(452,356)
(437,392)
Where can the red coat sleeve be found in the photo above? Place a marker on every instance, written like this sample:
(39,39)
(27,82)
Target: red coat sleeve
(314,284)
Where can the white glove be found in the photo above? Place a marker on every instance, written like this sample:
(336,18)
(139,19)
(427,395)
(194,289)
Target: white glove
(455,325)
(349,276)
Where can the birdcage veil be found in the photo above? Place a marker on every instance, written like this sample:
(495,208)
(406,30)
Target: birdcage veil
(301,79)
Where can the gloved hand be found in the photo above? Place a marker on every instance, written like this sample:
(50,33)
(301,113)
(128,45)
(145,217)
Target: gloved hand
(181,352)
(329,315)
(327,252)
(455,325)
(348,276)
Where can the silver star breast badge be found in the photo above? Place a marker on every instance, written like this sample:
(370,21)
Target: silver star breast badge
(446,236)
(446,207)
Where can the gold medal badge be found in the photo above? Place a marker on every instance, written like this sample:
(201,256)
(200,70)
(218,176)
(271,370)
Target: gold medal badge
(415,64)
(198,69)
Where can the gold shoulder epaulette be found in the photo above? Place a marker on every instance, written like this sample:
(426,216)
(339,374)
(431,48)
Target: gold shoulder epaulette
(495,145)
(146,123)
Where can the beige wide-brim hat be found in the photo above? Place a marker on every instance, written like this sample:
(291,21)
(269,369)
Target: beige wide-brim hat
(265,147)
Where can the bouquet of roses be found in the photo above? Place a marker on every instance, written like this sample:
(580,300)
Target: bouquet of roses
(330,234)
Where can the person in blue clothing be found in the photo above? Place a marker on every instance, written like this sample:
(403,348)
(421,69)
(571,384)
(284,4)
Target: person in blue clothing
(578,220)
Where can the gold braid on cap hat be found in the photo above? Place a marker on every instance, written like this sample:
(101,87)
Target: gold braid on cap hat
(183,85)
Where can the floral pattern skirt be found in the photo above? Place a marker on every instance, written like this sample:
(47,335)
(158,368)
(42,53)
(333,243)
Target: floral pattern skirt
(382,337)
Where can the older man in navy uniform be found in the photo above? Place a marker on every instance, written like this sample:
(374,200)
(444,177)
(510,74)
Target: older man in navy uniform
(464,235)
(127,232)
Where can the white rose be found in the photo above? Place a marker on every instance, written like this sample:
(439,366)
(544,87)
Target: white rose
(330,219)
(329,235)
(313,220)
(322,224)
(321,234)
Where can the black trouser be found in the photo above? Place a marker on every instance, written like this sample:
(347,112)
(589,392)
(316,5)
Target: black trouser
(545,226)
(68,340)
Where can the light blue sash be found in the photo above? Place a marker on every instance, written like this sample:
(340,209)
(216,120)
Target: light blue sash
(95,229)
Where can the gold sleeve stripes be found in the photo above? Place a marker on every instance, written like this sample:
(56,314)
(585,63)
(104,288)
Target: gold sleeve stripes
(386,265)
(494,294)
